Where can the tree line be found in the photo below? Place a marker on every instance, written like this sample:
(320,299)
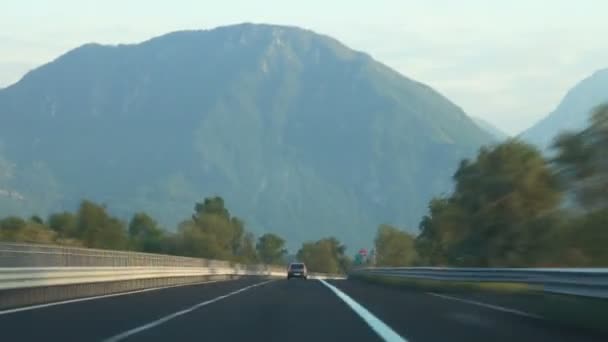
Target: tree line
(211,232)
(513,207)
(510,207)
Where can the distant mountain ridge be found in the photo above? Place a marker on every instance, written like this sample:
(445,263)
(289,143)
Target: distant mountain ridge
(301,135)
(573,111)
(498,134)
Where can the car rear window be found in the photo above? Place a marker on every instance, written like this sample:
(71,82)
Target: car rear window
(297,266)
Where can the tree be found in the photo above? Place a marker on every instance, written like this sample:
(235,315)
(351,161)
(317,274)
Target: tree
(432,244)
(238,238)
(585,240)
(65,224)
(394,247)
(325,256)
(12,223)
(37,219)
(213,233)
(98,229)
(10,228)
(487,221)
(211,206)
(145,233)
(271,249)
(246,252)
(582,167)
(17,229)
(581,161)
(194,242)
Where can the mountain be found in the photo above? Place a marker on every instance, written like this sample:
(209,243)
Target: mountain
(491,129)
(301,135)
(572,112)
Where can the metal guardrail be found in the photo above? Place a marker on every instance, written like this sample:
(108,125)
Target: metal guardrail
(314,275)
(34,274)
(29,255)
(591,282)
(31,277)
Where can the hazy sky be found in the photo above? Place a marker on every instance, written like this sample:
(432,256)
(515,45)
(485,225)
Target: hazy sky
(508,62)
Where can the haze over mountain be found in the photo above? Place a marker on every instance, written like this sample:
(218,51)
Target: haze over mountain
(573,111)
(498,134)
(301,135)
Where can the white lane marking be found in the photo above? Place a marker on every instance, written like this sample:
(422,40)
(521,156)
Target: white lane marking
(162,320)
(41,306)
(489,306)
(383,330)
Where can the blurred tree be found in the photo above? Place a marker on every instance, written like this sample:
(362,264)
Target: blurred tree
(246,252)
(98,229)
(10,228)
(145,234)
(486,221)
(271,249)
(65,224)
(12,223)
(394,247)
(582,161)
(211,206)
(194,242)
(16,229)
(37,219)
(213,233)
(325,256)
(586,239)
(432,244)
(237,238)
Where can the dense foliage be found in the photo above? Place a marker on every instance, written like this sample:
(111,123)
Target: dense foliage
(270,248)
(212,232)
(394,247)
(511,207)
(326,256)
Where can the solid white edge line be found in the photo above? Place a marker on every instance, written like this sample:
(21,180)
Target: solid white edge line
(162,320)
(84,299)
(485,305)
(379,327)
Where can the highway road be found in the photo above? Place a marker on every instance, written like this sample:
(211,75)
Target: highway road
(257,309)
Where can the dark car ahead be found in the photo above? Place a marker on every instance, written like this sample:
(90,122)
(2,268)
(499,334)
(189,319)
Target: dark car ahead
(297,270)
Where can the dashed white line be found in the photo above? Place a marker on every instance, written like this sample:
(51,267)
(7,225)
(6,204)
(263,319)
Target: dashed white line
(162,320)
(485,305)
(383,330)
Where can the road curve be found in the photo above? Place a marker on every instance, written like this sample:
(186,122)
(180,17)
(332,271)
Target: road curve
(279,310)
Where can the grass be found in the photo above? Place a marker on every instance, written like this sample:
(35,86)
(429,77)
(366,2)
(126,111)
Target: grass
(575,311)
(448,286)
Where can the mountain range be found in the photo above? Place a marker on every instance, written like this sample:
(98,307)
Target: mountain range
(494,131)
(300,134)
(573,111)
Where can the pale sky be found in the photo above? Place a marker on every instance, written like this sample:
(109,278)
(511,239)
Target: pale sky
(509,62)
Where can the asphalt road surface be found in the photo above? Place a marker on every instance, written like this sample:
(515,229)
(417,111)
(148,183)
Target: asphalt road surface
(257,309)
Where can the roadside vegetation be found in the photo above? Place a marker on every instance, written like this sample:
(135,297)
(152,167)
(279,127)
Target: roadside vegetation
(512,207)
(212,232)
